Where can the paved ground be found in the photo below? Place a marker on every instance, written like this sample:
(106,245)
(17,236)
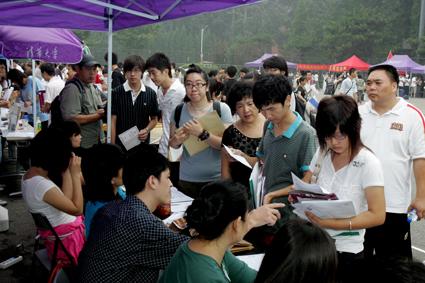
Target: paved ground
(418,228)
(19,239)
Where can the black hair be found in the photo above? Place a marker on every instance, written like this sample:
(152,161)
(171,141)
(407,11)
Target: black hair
(384,269)
(301,79)
(51,150)
(277,62)
(212,73)
(214,87)
(133,61)
(3,62)
(244,70)
(231,71)
(142,163)
(351,71)
(159,61)
(249,76)
(218,204)
(238,92)
(70,128)
(114,58)
(301,252)
(48,68)
(339,111)
(196,69)
(17,77)
(271,89)
(389,69)
(103,163)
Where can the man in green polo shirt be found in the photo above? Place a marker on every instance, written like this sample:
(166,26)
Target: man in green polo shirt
(288,143)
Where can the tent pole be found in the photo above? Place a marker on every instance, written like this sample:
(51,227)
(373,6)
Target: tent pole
(34,98)
(108,111)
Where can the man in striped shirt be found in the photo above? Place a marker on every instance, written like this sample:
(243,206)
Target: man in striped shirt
(133,103)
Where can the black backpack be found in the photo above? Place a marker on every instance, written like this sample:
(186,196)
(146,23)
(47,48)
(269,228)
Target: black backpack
(178,112)
(55,108)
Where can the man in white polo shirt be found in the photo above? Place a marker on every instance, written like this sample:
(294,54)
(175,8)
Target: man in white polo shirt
(54,85)
(349,85)
(394,130)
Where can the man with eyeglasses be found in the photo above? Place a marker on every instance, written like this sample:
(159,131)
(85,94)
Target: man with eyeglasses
(133,103)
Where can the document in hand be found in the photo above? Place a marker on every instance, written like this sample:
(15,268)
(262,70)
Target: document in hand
(303,186)
(130,138)
(210,122)
(326,209)
(238,158)
(256,185)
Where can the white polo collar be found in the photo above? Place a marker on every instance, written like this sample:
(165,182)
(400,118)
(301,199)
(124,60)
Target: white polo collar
(128,88)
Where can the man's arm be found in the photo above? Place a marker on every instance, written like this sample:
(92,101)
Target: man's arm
(419,201)
(113,128)
(89,118)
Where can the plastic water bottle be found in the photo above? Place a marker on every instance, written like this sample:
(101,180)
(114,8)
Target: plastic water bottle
(412,216)
(38,126)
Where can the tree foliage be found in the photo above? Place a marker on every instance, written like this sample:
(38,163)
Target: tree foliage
(307,31)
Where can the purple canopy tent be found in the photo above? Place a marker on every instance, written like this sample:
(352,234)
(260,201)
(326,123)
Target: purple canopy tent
(258,63)
(105,15)
(51,45)
(404,63)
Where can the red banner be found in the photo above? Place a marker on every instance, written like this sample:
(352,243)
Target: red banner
(312,67)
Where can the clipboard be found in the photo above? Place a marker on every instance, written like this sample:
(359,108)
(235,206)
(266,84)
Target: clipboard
(210,122)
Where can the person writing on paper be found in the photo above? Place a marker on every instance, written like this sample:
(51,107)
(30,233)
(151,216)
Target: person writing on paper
(220,219)
(203,167)
(344,166)
(243,136)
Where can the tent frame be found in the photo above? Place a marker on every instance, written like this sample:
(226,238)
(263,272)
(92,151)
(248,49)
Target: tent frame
(148,14)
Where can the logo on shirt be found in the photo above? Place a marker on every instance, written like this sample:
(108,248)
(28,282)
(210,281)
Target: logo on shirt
(358,163)
(397,126)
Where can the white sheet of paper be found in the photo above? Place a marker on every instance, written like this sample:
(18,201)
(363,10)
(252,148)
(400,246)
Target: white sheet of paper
(239,158)
(326,208)
(254,261)
(303,186)
(172,217)
(130,138)
(177,196)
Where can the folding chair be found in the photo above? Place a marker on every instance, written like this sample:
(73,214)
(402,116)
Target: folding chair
(42,223)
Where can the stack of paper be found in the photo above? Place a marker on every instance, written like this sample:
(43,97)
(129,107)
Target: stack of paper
(315,199)
(179,203)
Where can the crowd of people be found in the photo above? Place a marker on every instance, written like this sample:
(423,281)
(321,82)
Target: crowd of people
(102,197)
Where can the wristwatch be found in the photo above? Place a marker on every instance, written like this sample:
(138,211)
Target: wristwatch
(204,135)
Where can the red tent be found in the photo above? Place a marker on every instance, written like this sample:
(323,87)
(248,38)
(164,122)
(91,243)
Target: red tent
(352,62)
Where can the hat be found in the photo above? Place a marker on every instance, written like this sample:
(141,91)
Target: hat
(88,61)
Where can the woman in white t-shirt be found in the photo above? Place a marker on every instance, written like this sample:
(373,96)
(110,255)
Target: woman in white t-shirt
(344,166)
(52,187)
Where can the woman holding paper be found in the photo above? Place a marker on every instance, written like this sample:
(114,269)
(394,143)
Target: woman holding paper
(220,218)
(200,168)
(243,136)
(344,166)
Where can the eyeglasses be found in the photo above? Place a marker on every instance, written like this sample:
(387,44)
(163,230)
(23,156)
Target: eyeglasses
(196,85)
(338,137)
